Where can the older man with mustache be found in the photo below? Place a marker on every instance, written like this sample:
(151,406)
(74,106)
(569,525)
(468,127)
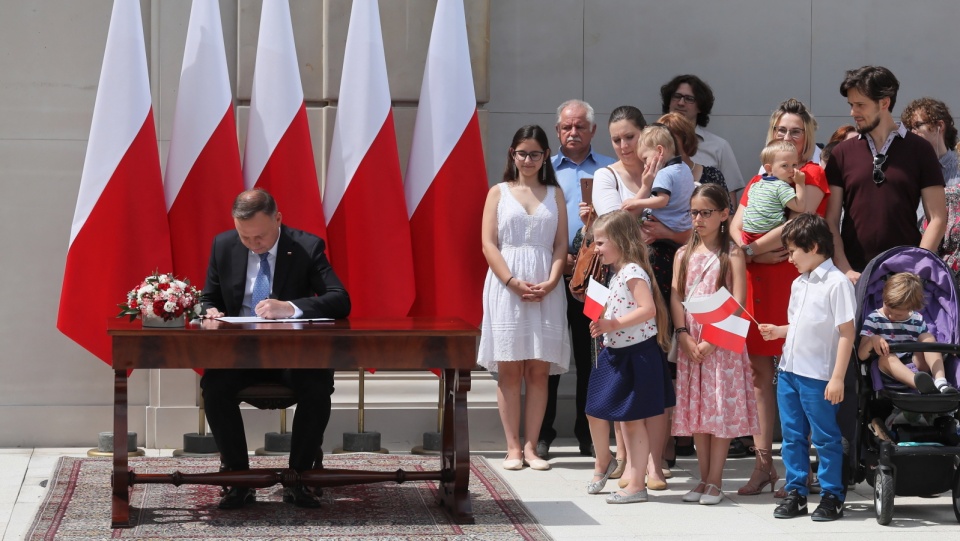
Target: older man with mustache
(575,159)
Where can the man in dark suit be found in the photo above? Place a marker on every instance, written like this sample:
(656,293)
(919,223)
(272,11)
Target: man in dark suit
(266,269)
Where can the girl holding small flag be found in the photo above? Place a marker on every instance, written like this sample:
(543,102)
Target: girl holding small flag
(631,383)
(715,398)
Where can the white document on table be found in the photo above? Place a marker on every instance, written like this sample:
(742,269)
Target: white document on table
(255,319)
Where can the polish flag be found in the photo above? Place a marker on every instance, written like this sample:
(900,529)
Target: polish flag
(367,221)
(120,232)
(716,307)
(278,155)
(203,168)
(446,180)
(596,300)
(729,333)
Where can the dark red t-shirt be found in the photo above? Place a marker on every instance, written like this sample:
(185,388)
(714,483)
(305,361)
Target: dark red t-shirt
(877,218)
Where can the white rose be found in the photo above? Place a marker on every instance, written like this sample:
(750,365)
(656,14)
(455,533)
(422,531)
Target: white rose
(164,278)
(169,306)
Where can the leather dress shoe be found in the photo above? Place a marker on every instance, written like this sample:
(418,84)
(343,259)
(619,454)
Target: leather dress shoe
(237,497)
(543,449)
(301,496)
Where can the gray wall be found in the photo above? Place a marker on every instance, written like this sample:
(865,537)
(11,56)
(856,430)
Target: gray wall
(529,55)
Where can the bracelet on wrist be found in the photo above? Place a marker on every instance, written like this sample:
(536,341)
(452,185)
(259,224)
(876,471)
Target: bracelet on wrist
(679,330)
(507,283)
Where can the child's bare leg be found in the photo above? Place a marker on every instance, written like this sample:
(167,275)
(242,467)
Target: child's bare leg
(929,361)
(893,367)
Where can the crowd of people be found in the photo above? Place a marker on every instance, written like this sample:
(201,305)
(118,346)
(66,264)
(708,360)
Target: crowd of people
(676,222)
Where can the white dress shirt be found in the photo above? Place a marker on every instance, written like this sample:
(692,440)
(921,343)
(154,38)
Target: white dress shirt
(715,151)
(253,269)
(820,301)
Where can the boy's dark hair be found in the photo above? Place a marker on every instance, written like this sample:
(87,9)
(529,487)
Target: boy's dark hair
(806,231)
(701,91)
(874,82)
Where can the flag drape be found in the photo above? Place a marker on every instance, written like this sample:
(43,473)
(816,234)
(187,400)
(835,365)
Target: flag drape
(203,173)
(119,233)
(446,179)
(363,200)
(278,155)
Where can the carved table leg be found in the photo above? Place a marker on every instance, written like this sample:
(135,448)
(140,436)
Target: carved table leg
(121,476)
(454,491)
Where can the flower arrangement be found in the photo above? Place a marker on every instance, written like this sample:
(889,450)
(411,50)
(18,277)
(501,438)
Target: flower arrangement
(162,296)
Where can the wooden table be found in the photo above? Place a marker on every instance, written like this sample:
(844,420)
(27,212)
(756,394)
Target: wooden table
(446,344)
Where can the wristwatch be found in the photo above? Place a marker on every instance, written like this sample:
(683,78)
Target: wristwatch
(680,330)
(747,250)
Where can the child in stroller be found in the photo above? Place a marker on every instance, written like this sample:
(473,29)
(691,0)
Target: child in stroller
(907,443)
(899,322)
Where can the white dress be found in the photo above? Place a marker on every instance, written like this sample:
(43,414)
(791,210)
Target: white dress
(513,330)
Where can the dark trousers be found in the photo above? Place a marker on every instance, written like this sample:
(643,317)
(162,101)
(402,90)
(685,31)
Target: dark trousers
(312,388)
(582,344)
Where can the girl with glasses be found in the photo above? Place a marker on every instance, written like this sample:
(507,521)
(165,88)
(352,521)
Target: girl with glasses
(524,330)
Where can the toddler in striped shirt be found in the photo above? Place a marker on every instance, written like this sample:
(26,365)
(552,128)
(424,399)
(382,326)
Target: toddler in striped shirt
(898,322)
(781,187)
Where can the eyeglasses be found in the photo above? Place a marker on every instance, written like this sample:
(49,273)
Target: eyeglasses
(706,213)
(878,176)
(522,156)
(685,98)
(784,133)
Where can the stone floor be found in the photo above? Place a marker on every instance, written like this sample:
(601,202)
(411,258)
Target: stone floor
(559,500)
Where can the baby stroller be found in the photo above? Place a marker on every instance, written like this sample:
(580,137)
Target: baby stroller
(918,451)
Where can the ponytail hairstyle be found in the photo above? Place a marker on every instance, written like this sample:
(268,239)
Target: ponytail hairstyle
(718,197)
(623,230)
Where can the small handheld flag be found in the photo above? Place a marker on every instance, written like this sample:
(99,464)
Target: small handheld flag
(596,301)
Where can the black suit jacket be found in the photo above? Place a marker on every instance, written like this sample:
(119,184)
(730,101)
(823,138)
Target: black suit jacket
(302,275)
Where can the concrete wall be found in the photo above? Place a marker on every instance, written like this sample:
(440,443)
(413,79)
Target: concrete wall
(529,55)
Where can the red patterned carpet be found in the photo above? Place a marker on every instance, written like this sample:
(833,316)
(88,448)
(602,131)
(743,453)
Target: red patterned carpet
(77,505)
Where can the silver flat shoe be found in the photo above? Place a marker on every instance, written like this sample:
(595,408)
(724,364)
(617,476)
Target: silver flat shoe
(693,496)
(639,496)
(710,499)
(596,486)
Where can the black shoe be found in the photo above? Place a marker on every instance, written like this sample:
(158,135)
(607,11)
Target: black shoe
(794,505)
(301,496)
(685,450)
(237,497)
(543,449)
(830,508)
(737,449)
(586,449)
(924,383)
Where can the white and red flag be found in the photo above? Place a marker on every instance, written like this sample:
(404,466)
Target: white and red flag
(729,333)
(713,308)
(367,221)
(595,301)
(446,180)
(119,233)
(203,167)
(278,155)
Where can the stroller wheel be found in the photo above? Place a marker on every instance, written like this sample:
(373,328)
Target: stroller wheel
(956,494)
(883,494)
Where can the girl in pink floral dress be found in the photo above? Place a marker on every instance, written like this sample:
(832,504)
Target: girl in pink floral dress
(715,398)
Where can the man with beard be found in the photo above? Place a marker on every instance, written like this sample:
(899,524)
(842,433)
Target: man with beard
(878,179)
(575,159)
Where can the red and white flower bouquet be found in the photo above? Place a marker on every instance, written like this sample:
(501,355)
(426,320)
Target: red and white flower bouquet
(162,296)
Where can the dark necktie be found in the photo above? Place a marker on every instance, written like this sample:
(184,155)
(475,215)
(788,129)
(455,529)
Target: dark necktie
(261,286)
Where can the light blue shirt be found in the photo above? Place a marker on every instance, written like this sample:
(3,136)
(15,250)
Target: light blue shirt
(568,176)
(676,180)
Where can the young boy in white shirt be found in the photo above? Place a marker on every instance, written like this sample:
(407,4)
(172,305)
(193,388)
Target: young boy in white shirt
(819,341)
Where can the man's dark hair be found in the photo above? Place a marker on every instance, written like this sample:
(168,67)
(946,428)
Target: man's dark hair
(806,231)
(701,91)
(250,202)
(874,82)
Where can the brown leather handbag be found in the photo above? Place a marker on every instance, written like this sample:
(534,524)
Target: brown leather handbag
(587,263)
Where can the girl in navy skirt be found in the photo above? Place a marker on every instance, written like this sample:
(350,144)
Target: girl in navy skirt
(631,382)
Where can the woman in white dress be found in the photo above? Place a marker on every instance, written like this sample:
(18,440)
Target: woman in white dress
(524,331)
